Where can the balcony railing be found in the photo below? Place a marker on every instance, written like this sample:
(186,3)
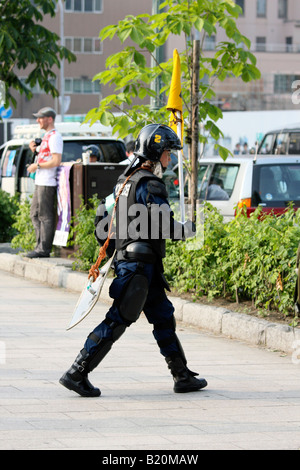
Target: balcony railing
(275,48)
(268,47)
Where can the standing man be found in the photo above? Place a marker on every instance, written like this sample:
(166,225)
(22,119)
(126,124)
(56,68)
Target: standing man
(139,284)
(129,153)
(237,150)
(42,210)
(245,149)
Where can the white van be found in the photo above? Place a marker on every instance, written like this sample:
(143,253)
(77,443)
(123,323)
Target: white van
(268,181)
(15,154)
(272,182)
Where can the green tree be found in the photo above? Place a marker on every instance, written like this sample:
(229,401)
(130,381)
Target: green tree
(128,71)
(24,41)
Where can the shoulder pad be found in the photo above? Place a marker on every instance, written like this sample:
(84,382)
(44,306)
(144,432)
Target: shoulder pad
(157,188)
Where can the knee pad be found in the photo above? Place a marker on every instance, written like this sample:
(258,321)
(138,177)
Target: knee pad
(133,299)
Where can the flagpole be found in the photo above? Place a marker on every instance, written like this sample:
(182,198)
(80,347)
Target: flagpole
(176,123)
(180,171)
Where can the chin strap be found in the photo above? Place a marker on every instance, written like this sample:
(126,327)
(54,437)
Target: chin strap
(159,169)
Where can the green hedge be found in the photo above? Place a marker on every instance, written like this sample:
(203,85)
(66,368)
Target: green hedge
(8,209)
(248,258)
(82,235)
(25,235)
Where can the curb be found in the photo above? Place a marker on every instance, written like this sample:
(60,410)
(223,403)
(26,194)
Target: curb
(57,272)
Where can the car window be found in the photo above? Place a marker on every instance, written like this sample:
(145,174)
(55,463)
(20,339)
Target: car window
(266,145)
(26,159)
(111,152)
(1,151)
(294,143)
(218,181)
(10,161)
(280,145)
(204,173)
(172,184)
(276,185)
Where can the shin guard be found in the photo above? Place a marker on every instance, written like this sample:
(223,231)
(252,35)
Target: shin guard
(104,345)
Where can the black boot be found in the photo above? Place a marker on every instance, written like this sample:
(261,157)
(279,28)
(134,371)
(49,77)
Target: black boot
(184,379)
(76,377)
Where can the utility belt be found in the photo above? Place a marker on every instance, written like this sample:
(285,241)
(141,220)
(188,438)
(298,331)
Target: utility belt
(137,251)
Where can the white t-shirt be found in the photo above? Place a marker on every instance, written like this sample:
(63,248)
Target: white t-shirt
(47,176)
(128,160)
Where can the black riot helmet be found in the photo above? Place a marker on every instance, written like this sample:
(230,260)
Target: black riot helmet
(93,150)
(154,139)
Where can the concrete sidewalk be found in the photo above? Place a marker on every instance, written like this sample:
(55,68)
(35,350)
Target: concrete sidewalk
(252,400)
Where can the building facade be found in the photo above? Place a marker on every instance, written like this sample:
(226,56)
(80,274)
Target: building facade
(273,27)
(81,22)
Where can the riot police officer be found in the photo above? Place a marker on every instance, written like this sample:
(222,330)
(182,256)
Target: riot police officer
(139,284)
(94,153)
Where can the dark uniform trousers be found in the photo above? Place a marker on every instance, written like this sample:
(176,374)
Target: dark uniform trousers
(158,310)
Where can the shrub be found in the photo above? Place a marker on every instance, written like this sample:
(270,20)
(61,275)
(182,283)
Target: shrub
(25,237)
(8,209)
(248,258)
(82,235)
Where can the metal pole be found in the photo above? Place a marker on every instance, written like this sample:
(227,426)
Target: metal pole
(62,64)
(180,172)
(195,126)
(157,58)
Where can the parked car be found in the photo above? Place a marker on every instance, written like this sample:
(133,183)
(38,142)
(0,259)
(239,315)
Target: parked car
(271,182)
(15,155)
(284,141)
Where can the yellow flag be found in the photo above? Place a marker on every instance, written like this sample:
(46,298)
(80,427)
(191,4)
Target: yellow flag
(175,100)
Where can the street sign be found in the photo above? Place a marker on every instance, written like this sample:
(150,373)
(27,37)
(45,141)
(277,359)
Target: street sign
(5,113)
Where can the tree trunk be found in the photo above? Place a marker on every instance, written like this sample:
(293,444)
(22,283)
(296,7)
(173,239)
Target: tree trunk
(195,126)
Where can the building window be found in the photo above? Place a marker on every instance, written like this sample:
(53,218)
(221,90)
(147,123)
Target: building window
(77,44)
(282,9)
(87,45)
(85,6)
(261,8)
(68,85)
(209,43)
(283,83)
(98,5)
(82,86)
(98,45)
(68,43)
(36,88)
(77,5)
(241,3)
(261,44)
(84,45)
(77,82)
(289,44)
(88,5)
(87,86)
